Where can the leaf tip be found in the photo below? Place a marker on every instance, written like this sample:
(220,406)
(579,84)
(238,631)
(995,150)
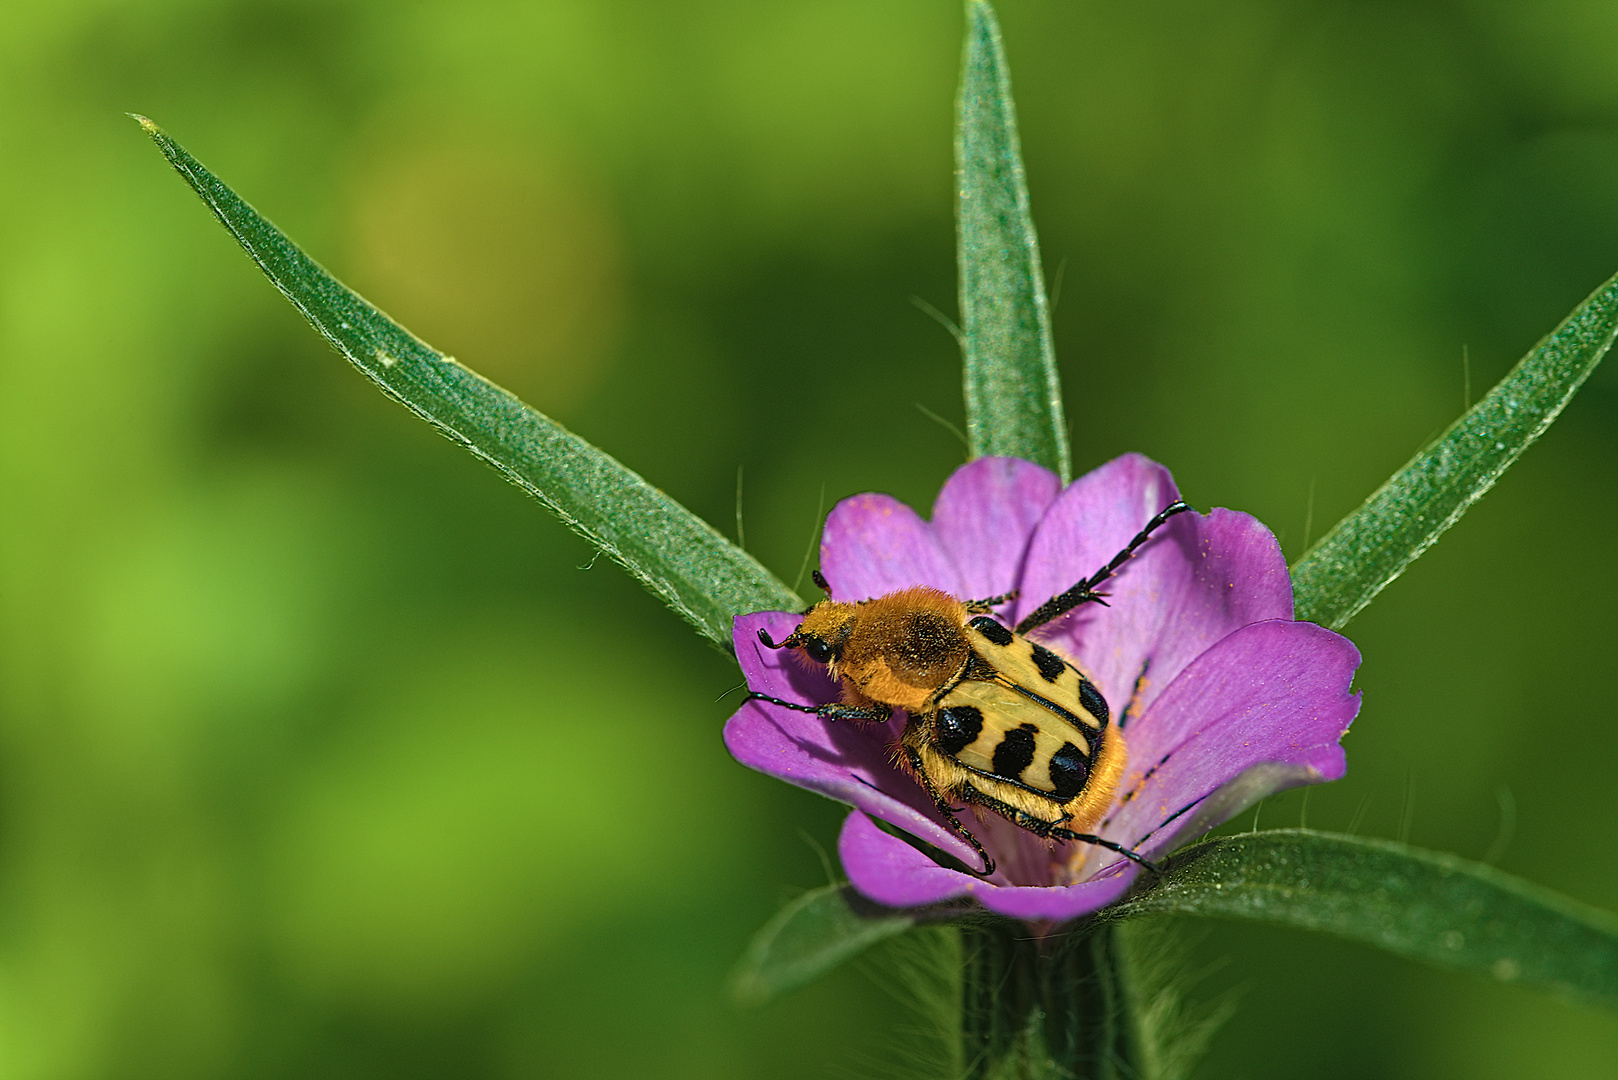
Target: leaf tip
(145,124)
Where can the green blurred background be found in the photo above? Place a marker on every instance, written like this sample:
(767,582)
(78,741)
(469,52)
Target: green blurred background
(309,724)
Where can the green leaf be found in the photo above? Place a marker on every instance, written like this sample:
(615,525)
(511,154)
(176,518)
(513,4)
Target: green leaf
(680,557)
(1373,545)
(1418,904)
(1013,394)
(810,936)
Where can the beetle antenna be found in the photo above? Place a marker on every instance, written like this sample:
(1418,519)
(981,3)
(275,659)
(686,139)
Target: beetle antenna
(764,636)
(1084,592)
(820,579)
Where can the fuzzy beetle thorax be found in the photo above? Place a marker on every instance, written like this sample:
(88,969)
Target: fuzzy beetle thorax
(898,649)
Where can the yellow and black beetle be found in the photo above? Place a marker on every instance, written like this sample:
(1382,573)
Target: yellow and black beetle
(994,720)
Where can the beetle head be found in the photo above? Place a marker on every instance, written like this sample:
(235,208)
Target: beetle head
(822,634)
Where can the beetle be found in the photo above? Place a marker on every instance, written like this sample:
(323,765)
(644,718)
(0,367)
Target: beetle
(994,719)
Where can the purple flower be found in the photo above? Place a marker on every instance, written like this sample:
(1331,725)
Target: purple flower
(1222,698)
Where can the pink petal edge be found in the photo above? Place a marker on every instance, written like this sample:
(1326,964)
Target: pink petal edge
(889,871)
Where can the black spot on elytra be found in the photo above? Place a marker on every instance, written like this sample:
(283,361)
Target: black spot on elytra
(1091,699)
(958,727)
(1069,771)
(1015,752)
(992,630)
(1049,664)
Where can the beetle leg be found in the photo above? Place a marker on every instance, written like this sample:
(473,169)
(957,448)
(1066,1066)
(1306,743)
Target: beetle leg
(1052,830)
(1086,838)
(985,607)
(914,760)
(753,695)
(869,714)
(1084,591)
(832,710)
(1020,818)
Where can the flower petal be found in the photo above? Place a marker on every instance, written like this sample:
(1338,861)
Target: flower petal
(972,549)
(889,871)
(873,544)
(984,517)
(1257,782)
(845,761)
(1062,902)
(1091,520)
(1197,580)
(1274,692)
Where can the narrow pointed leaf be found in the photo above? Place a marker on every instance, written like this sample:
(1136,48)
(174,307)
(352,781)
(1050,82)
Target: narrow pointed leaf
(1418,904)
(677,555)
(1373,545)
(1013,394)
(807,938)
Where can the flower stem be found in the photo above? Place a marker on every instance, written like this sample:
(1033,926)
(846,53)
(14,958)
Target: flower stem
(1042,1009)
